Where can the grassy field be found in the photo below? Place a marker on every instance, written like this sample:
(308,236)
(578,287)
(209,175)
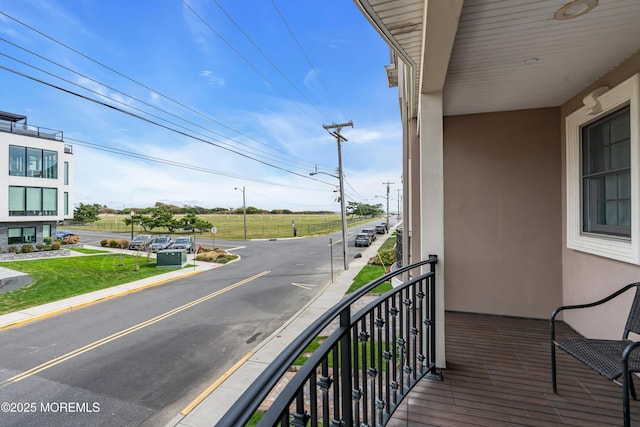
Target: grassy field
(59,278)
(231,226)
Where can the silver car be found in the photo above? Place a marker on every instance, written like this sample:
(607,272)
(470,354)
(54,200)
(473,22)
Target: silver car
(160,243)
(184,242)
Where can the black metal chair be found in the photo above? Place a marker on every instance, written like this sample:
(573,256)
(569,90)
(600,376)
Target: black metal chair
(613,359)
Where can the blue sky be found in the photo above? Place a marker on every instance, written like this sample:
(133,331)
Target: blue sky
(250,83)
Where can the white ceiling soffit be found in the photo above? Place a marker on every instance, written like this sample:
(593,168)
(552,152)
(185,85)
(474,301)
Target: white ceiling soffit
(400,24)
(513,54)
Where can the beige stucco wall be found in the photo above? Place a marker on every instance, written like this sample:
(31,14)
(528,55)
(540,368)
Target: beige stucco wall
(588,277)
(503,212)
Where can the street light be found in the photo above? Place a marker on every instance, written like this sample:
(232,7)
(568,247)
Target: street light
(132,213)
(343,212)
(244,210)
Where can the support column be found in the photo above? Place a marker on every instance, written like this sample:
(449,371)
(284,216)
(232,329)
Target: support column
(432,202)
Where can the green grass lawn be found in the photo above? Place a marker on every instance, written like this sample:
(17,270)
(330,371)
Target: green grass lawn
(368,274)
(231,226)
(59,278)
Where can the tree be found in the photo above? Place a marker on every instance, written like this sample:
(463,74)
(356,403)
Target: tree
(162,218)
(86,213)
(363,209)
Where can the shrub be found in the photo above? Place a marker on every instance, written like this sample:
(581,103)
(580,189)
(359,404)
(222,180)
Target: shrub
(123,244)
(71,239)
(226,258)
(26,248)
(113,243)
(211,256)
(40,246)
(12,249)
(384,257)
(56,245)
(104,243)
(47,240)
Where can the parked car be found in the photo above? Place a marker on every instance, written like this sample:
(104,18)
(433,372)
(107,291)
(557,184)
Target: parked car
(362,239)
(381,229)
(371,232)
(62,234)
(160,243)
(184,242)
(140,242)
(386,226)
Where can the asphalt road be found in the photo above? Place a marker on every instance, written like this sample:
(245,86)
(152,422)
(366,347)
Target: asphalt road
(141,358)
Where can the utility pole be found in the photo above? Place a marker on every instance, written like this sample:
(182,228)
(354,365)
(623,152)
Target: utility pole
(388,184)
(339,138)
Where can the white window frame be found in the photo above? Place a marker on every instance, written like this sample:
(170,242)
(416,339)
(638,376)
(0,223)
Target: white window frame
(626,249)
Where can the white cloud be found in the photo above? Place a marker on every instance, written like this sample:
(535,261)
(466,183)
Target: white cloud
(211,79)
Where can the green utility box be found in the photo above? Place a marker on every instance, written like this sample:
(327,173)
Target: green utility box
(171,258)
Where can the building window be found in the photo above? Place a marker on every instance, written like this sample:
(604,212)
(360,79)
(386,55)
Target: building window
(603,173)
(66,203)
(19,235)
(606,175)
(17,160)
(50,163)
(66,173)
(46,230)
(50,201)
(32,162)
(17,205)
(32,201)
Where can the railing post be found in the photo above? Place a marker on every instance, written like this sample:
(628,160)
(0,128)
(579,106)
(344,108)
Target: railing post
(345,365)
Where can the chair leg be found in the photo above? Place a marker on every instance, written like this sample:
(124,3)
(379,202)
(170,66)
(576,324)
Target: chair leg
(632,388)
(553,368)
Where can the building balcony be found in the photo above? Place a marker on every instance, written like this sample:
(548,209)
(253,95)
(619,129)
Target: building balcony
(17,124)
(498,370)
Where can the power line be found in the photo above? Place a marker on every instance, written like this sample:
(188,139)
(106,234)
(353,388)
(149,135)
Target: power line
(286,24)
(153,122)
(265,56)
(52,39)
(131,97)
(178,164)
(253,67)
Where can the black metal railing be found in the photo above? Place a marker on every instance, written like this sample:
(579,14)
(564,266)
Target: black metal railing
(30,130)
(363,370)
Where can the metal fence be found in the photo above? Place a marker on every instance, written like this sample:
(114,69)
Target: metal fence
(363,370)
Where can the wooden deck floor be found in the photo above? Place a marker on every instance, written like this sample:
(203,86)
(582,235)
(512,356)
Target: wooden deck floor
(498,374)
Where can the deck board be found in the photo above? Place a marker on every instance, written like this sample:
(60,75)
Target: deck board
(498,374)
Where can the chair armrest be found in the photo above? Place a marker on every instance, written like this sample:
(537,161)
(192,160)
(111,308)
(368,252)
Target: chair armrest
(587,305)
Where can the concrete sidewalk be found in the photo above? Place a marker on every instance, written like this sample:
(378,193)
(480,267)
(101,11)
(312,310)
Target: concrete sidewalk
(213,403)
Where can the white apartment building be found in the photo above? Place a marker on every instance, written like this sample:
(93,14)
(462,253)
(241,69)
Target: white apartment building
(35,181)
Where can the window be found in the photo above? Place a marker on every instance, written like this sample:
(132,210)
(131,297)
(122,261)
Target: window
(46,230)
(50,162)
(603,159)
(66,203)
(32,201)
(606,175)
(17,160)
(32,162)
(66,173)
(17,201)
(19,235)
(49,201)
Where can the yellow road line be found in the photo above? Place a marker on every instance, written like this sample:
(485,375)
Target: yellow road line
(215,385)
(53,362)
(104,298)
